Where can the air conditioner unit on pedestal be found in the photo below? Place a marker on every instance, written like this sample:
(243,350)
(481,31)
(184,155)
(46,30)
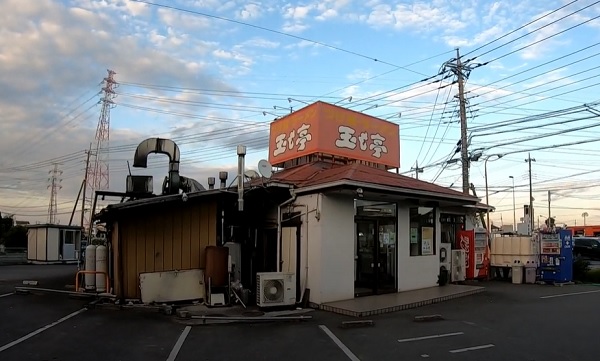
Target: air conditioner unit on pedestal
(275,289)
(459,269)
(446,256)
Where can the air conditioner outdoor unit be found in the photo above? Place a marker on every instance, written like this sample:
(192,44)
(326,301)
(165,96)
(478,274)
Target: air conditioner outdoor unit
(275,289)
(446,256)
(459,260)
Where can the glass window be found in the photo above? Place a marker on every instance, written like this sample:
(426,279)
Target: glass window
(422,231)
(374,208)
(69,237)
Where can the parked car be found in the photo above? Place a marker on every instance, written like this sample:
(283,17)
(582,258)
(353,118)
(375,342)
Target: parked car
(588,247)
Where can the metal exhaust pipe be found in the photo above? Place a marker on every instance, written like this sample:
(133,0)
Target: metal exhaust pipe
(223,177)
(241,151)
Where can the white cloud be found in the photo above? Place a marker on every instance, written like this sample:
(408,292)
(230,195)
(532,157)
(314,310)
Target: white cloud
(249,11)
(327,14)
(294,27)
(297,12)
(418,17)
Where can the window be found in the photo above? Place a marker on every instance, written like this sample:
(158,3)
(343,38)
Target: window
(67,237)
(375,209)
(450,224)
(422,231)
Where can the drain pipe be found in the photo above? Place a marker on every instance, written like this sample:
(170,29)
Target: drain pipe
(293,194)
(241,152)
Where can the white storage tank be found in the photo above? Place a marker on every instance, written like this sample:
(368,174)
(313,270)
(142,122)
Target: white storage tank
(101,266)
(90,265)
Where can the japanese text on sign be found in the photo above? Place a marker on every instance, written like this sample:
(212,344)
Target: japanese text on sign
(350,139)
(296,138)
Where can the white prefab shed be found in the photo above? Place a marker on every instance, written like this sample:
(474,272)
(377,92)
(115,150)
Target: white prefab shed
(53,243)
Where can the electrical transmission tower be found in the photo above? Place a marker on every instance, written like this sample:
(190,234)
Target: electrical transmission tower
(54,186)
(97,167)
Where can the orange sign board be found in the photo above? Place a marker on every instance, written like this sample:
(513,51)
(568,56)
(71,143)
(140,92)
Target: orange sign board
(326,128)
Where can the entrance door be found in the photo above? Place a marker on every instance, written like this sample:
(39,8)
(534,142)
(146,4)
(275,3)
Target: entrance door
(375,257)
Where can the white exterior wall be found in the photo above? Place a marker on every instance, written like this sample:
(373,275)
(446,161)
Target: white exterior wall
(310,246)
(328,242)
(337,249)
(53,244)
(416,272)
(327,265)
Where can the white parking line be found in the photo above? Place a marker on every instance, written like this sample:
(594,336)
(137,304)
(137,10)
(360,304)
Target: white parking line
(40,330)
(179,343)
(474,348)
(570,294)
(7,294)
(339,343)
(430,337)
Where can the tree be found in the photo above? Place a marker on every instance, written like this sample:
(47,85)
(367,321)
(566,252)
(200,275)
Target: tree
(15,237)
(584,215)
(6,223)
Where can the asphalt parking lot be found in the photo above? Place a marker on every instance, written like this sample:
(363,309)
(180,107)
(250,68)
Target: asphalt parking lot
(507,322)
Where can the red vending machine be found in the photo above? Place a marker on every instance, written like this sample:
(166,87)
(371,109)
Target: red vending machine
(475,244)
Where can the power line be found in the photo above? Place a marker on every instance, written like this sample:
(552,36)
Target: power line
(276,32)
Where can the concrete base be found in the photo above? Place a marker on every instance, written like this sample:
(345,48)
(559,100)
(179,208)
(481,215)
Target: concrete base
(375,305)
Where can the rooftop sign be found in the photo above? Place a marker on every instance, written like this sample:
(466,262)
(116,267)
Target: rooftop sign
(325,128)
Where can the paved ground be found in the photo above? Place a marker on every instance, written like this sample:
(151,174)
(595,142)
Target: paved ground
(508,322)
(594,264)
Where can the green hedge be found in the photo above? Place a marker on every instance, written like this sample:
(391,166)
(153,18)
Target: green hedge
(592,276)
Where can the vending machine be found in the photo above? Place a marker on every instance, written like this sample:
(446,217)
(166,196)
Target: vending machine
(556,256)
(475,244)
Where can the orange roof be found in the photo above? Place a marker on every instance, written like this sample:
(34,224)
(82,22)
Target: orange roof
(324,173)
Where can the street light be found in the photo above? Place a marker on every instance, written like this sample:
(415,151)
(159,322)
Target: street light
(514,205)
(487,193)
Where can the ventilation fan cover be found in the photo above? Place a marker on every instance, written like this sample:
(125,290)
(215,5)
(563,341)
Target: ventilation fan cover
(273,290)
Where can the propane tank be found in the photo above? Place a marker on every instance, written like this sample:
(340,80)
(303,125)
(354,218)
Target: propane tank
(101,266)
(90,265)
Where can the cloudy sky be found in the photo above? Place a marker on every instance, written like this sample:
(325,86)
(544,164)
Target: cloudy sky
(212,74)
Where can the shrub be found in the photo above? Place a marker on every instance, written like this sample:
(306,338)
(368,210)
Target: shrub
(593,276)
(581,268)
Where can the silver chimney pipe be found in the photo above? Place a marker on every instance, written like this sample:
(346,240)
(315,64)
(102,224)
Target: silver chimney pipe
(211,182)
(241,151)
(223,177)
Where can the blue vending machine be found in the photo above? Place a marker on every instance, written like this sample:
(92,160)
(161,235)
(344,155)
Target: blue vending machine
(556,256)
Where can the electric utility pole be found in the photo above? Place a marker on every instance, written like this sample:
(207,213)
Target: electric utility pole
(417,170)
(529,160)
(464,155)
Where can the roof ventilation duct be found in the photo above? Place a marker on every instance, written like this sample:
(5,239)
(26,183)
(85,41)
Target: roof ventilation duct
(173,182)
(223,177)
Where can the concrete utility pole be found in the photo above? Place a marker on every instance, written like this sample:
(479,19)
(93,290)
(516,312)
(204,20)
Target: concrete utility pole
(417,170)
(531,219)
(85,181)
(464,155)
(549,216)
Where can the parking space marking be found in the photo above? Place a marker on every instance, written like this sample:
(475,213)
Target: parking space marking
(474,348)
(570,294)
(430,337)
(7,294)
(40,330)
(179,343)
(339,343)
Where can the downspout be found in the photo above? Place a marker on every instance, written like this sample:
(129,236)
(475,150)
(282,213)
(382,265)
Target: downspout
(293,198)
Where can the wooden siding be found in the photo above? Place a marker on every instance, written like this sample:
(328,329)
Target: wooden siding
(164,238)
